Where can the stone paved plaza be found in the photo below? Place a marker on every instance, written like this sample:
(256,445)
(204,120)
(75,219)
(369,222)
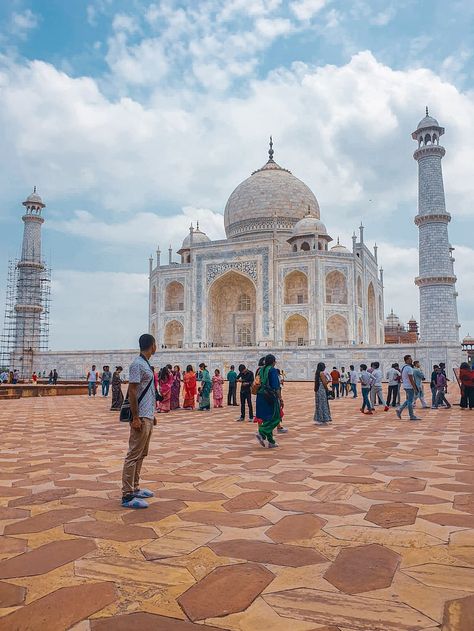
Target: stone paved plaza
(366,525)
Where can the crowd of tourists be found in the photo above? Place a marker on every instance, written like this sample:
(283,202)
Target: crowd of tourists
(151,391)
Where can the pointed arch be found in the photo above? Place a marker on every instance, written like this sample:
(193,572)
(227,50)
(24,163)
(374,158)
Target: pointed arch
(174,296)
(232,301)
(174,334)
(372,314)
(296,330)
(337,331)
(336,288)
(153,299)
(296,288)
(359,291)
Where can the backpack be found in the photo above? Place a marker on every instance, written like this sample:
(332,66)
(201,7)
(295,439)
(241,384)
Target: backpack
(257,383)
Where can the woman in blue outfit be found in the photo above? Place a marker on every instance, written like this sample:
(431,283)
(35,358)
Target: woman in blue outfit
(269,402)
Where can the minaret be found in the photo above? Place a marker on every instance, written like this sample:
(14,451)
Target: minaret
(436,279)
(31,271)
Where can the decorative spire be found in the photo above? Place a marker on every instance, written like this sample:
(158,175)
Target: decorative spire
(427,111)
(34,189)
(337,240)
(197,225)
(270,151)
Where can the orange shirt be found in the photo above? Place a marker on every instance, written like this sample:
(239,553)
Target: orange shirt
(335,376)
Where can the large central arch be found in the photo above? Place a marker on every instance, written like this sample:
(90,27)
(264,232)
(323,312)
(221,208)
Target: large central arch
(231,308)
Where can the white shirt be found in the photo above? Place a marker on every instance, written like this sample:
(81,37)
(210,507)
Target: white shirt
(377,377)
(406,372)
(393,376)
(92,376)
(353,376)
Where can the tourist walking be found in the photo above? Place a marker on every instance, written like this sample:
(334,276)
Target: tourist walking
(55,377)
(165,381)
(232,392)
(393,377)
(377,389)
(419,377)
(409,385)
(50,377)
(441,385)
(92,378)
(246,379)
(269,403)
(190,388)
(322,413)
(353,381)
(206,384)
(434,376)
(335,378)
(344,381)
(142,397)
(117,394)
(175,388)
(366,380)
(466,380)
(217,388)
(105,380)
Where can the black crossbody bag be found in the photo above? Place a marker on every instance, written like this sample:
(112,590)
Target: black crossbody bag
(126,410)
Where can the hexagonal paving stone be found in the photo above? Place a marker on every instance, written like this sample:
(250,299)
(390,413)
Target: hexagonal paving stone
(13,513)
(42,498)
(61,609)
(45,558)
(450,519)
(348,479)
(11,595)
(459,614)
(180,541)
(295,527)
(225,590)
(263,552)
(323,508)
(142,621)
(155,512)
(248,501)
(295,475)
(406,485)
(363,569)
(409,498)
(390,515)
(236,520)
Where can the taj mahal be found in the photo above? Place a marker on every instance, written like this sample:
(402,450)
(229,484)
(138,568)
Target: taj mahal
(278,282)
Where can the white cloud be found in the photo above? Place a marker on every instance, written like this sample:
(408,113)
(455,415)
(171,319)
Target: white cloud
(384,17)
(24,22)
(307,9)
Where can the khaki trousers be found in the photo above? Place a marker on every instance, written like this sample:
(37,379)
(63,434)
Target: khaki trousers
(138,444)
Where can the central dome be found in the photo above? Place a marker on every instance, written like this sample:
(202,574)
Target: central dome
(270,199)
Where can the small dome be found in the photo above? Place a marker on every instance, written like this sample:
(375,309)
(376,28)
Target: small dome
(339,248)
(468,339)
(33,198)
(309,225)
(198,237)
(427,121)
(392,319)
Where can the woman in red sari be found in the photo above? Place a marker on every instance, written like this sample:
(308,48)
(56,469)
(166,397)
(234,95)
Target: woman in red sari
(165,381)
(190,388)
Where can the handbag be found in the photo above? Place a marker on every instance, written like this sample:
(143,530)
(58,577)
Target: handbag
(126,410)
(256,384)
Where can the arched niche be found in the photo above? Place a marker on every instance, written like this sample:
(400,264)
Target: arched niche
(360,332)
(296,288)
(337,331)
(372,314)
(359,291)
(174,296)
(174,334)
(336,288)
(231,308)
(305,246)
(296,330)
(153,299)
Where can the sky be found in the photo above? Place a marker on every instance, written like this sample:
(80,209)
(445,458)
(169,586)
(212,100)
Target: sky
(134,118)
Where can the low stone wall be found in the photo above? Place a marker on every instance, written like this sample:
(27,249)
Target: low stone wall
(19,391)
(299,363)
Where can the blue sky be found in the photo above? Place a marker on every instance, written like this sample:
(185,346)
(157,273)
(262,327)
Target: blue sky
(135,117)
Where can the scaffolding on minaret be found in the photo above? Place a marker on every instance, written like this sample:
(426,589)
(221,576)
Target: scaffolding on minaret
(28,292)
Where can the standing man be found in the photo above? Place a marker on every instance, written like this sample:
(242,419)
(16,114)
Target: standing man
(232,393)
(142,397)
(377,390)
(353,381)
(409,385)
(246,380)
(419,377)
(55,377)
(393,378)
(92,377)
(366,381)
(106,377)
(344,382)
(335,378)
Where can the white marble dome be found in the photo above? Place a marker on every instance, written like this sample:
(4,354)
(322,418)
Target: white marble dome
(309,225)
(271,198)
(33,198)
(339,247)
(427,121)
(198,237)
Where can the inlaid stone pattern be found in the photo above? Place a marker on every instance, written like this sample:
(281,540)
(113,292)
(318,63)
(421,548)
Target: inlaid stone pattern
(364,528)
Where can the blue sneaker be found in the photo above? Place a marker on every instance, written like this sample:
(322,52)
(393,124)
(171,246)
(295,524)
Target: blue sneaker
(133,502)
(143,493)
